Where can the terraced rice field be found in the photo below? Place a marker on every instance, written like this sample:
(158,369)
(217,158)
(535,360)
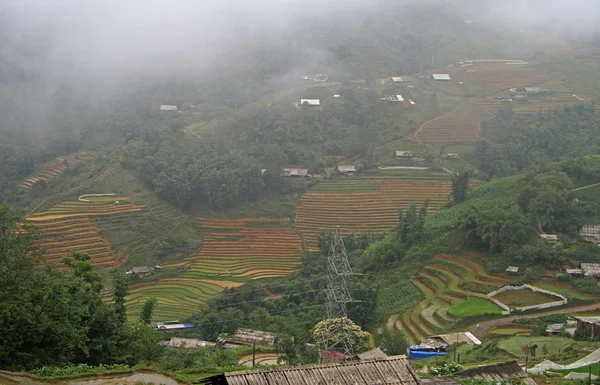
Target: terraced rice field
(69,226)
(449,128)
(565,94)
(57,167)
(234,251)
(365,212)
(502,75)
(446,284)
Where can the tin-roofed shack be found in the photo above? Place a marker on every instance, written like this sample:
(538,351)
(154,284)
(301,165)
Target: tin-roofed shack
(296,172)
(345,170)
(554,329)
(168,107)
(141,271)
(575,273)
(397,79)
(393,370)
(590,232)
(445,340)
(248,337)
(550,238)
(504,372)
(440,77)
(590,324)
(404,154)
(512,270)
(591,269)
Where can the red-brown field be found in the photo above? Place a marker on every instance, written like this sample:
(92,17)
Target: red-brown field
(366,211)
(57,167)
(68,226)
(449,128)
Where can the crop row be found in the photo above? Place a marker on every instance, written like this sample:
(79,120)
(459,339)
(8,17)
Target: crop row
(443,284)
(56,167)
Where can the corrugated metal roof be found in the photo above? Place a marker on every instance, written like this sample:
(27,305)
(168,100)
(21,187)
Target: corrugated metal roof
(397,79)
(590,320)
(592,269)
(441,77)
(349,168)
(187,343)
(168,107)
(245,336)
(393,370)
(312,102)
(590,231)
(497,373)
(373,354)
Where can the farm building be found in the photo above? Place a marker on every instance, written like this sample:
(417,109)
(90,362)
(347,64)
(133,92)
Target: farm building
(248,337)
(187,343)
(310,102)
(140,271)
(554,329)
(440,77)
(397,79)
(590,232)
(345,170)
(512,270)
(445,340)
(168,107)
(296,172)
(392,370)
(404,154)
(590,324)
(504,372)
(452,155)
(172,325)
(550,238)
(591,269)
(575,273)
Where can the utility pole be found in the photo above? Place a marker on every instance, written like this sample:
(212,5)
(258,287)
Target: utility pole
(338,295)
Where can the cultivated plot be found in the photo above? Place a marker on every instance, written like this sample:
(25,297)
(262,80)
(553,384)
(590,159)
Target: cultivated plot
(56,167)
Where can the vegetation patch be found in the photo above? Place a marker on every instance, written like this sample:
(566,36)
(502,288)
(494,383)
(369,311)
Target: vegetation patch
(475,306)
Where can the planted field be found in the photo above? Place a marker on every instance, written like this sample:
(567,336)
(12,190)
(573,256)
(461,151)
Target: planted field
(364,212)
(346,185)
(503,75)
(564,94)
(448,128)
(525,297)
(451,288)
(234,251)
(56,167)
(68,226)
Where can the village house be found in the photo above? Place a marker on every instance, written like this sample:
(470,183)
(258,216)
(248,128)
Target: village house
(591,269)
(452,155)
(397,79)
(172,325)
(591,325)
(445,77)
(168,107)
(446,340)
(575,273)
(385,371)
(140,271)
(393,98)
(550,238)
(554,329)
(296,172)
(512,270)
(404,154)
(591,233)
(349,170)
(249,337)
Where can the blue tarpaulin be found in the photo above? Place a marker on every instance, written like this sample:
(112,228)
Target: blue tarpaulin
(421,352)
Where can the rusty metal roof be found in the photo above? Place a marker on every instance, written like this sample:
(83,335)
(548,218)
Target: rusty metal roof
(497,373)
(394,370)
(592,269)
(244,336)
